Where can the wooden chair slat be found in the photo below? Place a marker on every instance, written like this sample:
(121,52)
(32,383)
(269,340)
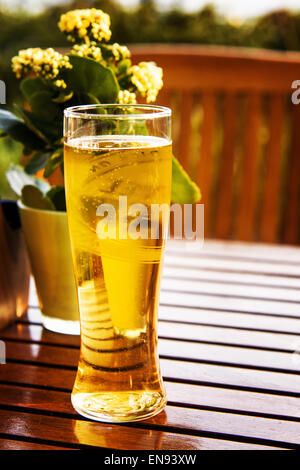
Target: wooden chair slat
(206,153)
(185,129)
(291,222)
(223,215)
(247,192)
(271,199)
(164,98)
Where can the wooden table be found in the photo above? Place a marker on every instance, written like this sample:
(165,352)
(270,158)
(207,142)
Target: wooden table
(229,342)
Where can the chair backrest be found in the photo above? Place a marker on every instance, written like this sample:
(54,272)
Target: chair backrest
(237,133)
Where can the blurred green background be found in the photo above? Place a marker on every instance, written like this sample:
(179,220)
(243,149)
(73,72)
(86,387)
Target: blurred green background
(21,28)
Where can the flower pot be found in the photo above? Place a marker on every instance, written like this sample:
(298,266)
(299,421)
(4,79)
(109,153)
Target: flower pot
(47,238)
(14,265)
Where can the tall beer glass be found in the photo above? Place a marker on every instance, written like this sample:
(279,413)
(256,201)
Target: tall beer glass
(118,165)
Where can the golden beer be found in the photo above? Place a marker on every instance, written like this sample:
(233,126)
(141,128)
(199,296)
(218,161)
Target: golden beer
(118,276)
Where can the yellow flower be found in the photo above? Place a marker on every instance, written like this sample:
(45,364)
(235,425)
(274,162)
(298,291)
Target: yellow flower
(120,52)
(85,24)
(45,63)
(147,78)
(60,84)
(125,97)
(87,50)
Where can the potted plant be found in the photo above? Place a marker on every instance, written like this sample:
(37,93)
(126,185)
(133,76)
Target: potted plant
(93,71)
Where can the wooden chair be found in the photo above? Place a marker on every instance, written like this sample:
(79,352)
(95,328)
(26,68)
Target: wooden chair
(14,272)
(237,132)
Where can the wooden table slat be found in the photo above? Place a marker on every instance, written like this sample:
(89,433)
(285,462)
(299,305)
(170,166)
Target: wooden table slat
(241,402)
(185,373)
(201,316)
(227,248)
(246,357)
(80,434)
(232,265)
(202,287)
(188,351)
(173,330)
(231,279)
(218,425)
(188,420)
(11,444)
(230,303)
(228,319)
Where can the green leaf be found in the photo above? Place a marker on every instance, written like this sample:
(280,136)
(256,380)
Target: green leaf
(63,96)
(184,190)
(124,65)
(41,105)
(89,76)
(54,162)
(18,178)
(33,197)
(58,197)
(30,123)
(37,162)
(29,86)
(18,130)
(49,132)
(88,98)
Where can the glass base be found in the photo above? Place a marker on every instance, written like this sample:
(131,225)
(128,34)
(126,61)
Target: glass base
(58,325)
(118,407)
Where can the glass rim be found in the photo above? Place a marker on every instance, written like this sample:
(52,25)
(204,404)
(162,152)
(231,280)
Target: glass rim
(78,111)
